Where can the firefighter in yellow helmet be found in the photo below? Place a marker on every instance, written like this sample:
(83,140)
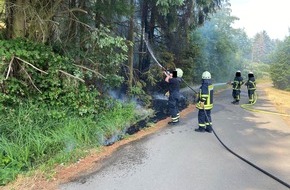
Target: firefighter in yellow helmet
(205,104)
(251,85)
(174,79)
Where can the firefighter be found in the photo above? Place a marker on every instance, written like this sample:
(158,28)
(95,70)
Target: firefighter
(237,83)
(205,104)
(251,86)
(174,79)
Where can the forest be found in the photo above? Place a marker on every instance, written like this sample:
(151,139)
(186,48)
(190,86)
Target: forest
(74,73)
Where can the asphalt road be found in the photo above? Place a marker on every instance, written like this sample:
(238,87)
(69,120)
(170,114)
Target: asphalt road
(177,157)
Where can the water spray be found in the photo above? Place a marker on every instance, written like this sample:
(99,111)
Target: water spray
(152,54)
(163,68)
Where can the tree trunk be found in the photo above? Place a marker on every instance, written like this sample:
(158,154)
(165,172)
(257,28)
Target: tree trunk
(15,18)
(131,49)
(144,27)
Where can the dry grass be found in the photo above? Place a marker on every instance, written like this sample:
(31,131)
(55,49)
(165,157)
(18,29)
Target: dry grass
(281,100)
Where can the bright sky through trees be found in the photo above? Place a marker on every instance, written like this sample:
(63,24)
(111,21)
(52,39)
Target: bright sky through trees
(258,15)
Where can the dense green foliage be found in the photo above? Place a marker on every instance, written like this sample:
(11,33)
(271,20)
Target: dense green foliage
(47,109)
(280,69)
(33,72)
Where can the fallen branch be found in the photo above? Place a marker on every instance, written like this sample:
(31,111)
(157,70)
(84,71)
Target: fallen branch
(31,80)
(82,80)
(31,65)
(9,68)
(90,70)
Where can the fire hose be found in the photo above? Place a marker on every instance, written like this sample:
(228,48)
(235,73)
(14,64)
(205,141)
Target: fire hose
(249,107)
(242,158)
(163,68)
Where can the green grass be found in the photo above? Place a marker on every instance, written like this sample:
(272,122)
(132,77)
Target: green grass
(31,136)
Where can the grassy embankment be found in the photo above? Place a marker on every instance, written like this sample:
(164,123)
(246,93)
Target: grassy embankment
(32,139)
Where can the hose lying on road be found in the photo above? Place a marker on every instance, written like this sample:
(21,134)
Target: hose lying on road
(249,107)
(250,163)
(245,160)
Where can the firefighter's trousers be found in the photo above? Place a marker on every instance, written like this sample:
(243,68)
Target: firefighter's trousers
(173,106)
(251,94)
(236,94)
(204,118)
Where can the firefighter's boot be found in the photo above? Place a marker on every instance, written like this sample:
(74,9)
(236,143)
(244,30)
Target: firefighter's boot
(236,102)
(200,129)
(208,129)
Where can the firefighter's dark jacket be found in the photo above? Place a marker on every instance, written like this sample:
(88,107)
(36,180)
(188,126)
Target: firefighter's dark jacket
(174,85)
(237,83)
(251,83)
(205,95)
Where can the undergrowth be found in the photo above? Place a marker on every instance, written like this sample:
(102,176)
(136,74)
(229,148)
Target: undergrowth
(31,136)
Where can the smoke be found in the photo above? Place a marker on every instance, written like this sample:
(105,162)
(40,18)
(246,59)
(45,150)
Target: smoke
(69,145)
(141,114)
(159,97)
(118,95)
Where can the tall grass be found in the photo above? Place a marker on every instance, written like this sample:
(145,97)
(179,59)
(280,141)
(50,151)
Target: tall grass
(33,135)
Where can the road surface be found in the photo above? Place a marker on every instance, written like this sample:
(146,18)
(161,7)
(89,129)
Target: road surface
(177,157)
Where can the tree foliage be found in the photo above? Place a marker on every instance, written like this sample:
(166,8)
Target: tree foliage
(262,47)
(76,28)
(280,69)
(219,48)
(34,73)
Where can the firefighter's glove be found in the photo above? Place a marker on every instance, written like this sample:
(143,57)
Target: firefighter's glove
(167,94)
(202,105)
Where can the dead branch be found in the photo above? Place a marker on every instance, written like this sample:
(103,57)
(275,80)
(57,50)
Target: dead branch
(74,10)
(31,80)
(90,70)
(78,10)
(31,65)
(71,76)
(9,67)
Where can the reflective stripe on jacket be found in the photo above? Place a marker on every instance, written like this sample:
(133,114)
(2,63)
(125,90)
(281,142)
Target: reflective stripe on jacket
(206,96)
(237,83)
(251,85)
